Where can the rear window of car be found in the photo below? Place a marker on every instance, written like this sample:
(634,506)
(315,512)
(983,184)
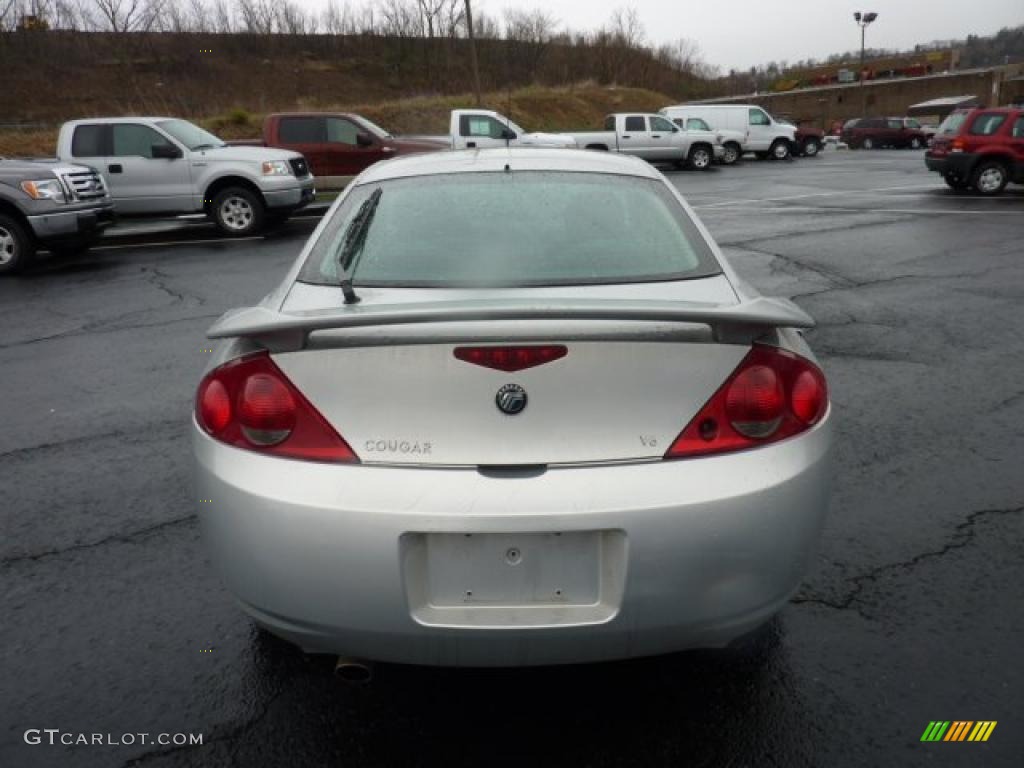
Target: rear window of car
(951,125)
(301,130)
(528,228)
(986,124)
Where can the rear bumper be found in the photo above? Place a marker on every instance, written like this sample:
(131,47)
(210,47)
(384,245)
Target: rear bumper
(957,164)
(72,225)
(291,198)
(696,552)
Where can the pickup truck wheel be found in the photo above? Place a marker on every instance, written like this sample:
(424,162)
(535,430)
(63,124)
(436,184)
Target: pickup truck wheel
(16,247)
(780,149)
(915,143)
(868,143)
(700,158)
(731,154)
(811,148)
(238,212)
(990,178)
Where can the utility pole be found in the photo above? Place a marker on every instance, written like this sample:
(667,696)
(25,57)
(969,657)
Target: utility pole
(862,19)
(472,54)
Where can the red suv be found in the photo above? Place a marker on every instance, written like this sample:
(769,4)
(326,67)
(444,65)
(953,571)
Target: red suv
(871,132)
(980,148)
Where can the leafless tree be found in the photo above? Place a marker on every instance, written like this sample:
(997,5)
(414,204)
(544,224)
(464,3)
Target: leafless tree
(292,20)
(257,16)
(527,35)
(626,27)
(223,19)
(8,15)
(453,17)
(123,16)
(337,19)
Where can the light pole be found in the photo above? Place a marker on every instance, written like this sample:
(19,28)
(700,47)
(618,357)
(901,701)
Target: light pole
(863,19)
(472,54)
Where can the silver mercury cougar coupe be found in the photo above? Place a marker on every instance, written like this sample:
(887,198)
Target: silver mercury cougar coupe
(512,407)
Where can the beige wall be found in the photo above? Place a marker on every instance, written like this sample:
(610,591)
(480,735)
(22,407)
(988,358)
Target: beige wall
(888,97)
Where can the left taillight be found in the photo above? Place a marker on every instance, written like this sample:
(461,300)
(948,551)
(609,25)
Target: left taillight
(249,403)
(773,394)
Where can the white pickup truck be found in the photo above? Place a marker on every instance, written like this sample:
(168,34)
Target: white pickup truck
(731,141)
(156,165)
(653,138)
(483,128)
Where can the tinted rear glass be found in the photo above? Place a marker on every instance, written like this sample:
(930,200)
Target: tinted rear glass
(635,124)
(88,141)
(951,125)
(302,130)
(987,124)
(526,228)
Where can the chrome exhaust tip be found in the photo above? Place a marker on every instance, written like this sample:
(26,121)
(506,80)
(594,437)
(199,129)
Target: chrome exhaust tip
(353,670)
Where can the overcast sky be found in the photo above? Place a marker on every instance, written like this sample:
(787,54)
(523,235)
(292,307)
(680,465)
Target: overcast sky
(741,33)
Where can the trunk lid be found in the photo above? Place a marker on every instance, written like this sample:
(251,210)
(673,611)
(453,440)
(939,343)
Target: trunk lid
(607,399)
(385,373)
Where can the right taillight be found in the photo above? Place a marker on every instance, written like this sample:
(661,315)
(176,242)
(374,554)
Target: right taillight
(249,403)
(773,394)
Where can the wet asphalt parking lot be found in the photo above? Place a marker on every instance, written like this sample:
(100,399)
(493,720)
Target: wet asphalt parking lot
(114,621)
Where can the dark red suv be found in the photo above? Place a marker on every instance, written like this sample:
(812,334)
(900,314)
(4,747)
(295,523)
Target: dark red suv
(872,132)
(981,149)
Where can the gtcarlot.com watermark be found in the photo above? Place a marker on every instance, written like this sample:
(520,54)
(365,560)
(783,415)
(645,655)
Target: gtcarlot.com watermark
(55,736)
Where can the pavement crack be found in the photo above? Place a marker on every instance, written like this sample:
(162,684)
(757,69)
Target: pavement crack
(963,535)
(833,277)
(858,284)
(107,326)
(788,236)
(113,538)
(159,280)
(150,430)
(1009,401)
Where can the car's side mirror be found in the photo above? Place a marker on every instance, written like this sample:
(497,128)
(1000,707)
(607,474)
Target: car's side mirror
(363,139)
(165,152)
(507,134)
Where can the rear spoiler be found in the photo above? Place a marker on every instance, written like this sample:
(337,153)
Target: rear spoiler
(748,319)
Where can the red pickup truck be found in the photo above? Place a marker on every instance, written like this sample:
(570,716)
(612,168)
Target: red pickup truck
(336,143)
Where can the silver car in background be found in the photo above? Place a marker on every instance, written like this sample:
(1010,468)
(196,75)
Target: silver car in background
(512,407)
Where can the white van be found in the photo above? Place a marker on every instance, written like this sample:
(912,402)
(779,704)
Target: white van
(765,137)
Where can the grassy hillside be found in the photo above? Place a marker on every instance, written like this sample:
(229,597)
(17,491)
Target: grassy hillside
(535,108)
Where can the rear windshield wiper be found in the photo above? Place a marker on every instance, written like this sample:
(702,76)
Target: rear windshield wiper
(352,247)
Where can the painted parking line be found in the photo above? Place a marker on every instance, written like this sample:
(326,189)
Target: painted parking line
(817,194)
(165,243)
(803,209)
